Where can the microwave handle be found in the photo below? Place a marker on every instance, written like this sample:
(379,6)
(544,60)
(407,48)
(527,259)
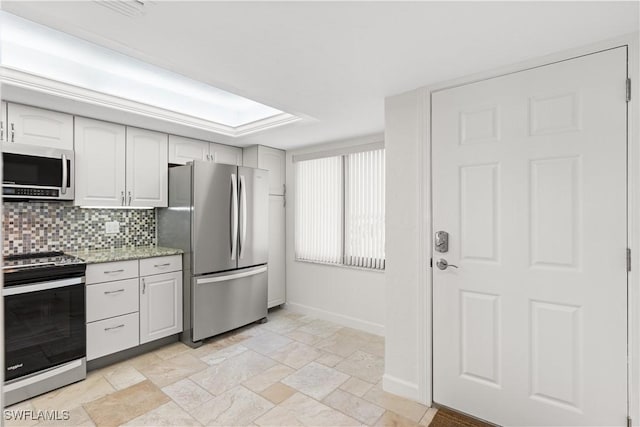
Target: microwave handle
(65,173)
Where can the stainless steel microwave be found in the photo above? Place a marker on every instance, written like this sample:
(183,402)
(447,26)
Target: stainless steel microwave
(37,173)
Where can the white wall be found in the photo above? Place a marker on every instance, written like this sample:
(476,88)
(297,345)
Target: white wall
(348,296)
(404,130)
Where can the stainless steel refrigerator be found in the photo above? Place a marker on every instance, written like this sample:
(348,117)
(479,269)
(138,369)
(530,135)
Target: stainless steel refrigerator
(218,215)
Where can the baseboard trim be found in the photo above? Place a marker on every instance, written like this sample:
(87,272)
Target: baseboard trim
(403,388)
(341,319)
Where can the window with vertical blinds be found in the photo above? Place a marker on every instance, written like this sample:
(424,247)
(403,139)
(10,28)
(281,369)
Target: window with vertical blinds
(318,210)
(339,209)
(364,209)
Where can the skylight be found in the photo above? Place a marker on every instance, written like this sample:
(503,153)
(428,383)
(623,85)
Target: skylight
(41,51)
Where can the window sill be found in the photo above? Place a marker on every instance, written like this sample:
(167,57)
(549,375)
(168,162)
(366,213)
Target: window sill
(348,267)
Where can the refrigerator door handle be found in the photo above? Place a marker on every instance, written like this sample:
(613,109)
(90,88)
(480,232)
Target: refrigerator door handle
(243,215)
(231,276)
(233,216)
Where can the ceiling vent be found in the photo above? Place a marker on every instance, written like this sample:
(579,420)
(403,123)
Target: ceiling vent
(124,7)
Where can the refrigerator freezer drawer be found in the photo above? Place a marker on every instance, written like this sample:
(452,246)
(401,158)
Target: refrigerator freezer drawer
(225,301)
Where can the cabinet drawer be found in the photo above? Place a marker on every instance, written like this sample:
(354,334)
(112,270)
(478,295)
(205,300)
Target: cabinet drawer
(112,335)
(110,271)
(111,299)
(158,265)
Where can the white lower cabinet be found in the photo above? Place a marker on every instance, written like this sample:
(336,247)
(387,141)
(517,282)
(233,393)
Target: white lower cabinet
(111,299)
(112,335)
(126,308)
(160,306)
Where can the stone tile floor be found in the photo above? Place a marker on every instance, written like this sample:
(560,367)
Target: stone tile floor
(294,370)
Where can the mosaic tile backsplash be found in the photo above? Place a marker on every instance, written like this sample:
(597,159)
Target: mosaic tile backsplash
(41,227)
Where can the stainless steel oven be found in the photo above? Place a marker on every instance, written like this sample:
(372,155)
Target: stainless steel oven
(37,173)
(44,321)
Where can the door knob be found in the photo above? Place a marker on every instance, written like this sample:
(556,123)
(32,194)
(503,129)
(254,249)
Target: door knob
(442,264)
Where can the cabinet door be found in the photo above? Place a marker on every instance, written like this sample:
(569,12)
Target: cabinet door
(183,150)
(226,154)
(100,163)
(147,169)
(35,126)
(112,335)
(276,275)
(273,160)
(3,121)
(160,306)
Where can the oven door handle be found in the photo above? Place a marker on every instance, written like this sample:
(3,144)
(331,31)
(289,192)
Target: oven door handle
(43,286)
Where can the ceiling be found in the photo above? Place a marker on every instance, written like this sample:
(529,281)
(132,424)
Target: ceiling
(333,63)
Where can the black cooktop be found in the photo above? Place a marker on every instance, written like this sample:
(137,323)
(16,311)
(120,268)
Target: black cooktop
(40,267)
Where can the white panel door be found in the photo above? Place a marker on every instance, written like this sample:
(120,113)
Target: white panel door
(3,121)
(276,272)
(183,150)
(99,163)
(147,169)
(529,180)
(160,306)
(35,126)
(226,154)
(273,160)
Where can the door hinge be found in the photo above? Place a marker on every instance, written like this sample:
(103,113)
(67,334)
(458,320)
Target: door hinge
(628,259)
(628,90)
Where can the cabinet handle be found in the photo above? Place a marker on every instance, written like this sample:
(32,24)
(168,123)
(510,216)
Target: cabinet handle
(114,327)
(13,133)
(144,286)
(113,292)
(114,271)
(1,130)
(122,195)
(129,198)
(208,157)
(166,264)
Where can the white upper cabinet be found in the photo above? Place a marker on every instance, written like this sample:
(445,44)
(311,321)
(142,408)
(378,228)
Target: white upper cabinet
(147,172)
(119,166)
(99,163)
(226,154)
(271,159)
(183,150)
(3,121)
(36,126)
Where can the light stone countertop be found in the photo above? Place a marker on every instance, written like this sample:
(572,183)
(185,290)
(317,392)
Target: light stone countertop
(124,254)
